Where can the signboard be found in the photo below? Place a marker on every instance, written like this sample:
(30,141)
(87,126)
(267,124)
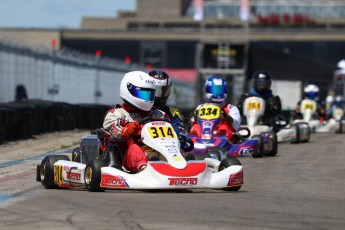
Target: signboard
(216,56)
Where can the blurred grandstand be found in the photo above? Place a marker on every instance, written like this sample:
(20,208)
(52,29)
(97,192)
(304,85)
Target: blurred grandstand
(295,40)
(317,9)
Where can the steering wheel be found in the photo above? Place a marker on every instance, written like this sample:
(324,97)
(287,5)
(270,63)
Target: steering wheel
(187,144)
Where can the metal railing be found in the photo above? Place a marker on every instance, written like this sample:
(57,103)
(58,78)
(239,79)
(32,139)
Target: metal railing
(69,76)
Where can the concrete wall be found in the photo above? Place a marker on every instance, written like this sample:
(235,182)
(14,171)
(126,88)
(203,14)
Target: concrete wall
(156,9)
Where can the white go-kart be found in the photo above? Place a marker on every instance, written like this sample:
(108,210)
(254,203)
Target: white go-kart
(253,110)
(336,124)
(169,170)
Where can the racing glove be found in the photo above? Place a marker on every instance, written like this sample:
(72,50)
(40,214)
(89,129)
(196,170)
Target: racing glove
(130,129)
(228,119)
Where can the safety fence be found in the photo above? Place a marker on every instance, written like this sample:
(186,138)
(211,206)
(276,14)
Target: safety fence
(44,91)
(68,76)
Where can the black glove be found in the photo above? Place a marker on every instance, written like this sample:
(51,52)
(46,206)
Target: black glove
(228,119)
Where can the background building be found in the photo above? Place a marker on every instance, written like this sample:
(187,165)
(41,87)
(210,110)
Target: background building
(298,41)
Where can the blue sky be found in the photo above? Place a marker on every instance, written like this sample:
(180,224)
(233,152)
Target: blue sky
(57,13)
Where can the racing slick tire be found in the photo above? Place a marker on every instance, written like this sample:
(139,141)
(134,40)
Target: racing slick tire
(274,150)
(93,176)
(260,151)
(225,163)
(298,134)
(46,170)
(308,135)
(76,154)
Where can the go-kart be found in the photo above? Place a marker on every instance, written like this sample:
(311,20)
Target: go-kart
(90,168)
(253,110)
(336,124)
(212,140)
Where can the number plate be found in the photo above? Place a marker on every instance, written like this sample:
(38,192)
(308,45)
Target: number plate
(254,105)
(308,106)
(209,112)
(161,132)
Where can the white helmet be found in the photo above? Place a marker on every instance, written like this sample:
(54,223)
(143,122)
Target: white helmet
(311,91)
(138,89)
(329,99)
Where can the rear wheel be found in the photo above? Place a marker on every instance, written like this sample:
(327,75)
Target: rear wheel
(308,134)
(46,170)
(298,134)
(93,176)
(274,139)
(260,149)
(225,163)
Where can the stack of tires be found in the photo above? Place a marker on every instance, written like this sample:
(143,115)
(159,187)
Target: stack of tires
(23,119)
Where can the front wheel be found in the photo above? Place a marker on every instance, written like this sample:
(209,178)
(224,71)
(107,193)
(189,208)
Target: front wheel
(46,170)
(93,176)
(225,163)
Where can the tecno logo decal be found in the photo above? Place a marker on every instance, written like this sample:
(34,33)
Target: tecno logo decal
(113,181)
(182,181)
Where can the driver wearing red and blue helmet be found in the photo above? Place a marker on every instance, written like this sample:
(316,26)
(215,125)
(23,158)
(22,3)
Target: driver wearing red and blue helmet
(215,91)
(163,89)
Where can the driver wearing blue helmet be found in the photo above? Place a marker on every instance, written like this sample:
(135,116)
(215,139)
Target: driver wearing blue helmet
(215,92)
(311,92)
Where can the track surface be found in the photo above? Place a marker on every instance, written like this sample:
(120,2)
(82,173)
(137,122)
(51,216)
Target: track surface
(303,187)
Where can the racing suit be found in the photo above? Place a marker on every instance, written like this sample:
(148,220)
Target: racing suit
(230,123)
(115,121)
(273,107)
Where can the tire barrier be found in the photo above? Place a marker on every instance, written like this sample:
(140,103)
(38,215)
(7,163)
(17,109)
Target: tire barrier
(22,119)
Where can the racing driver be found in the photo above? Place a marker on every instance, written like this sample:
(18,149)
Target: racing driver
(137,90)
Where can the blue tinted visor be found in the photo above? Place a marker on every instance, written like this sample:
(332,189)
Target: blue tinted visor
(215,89)
(311,95)
(142,93)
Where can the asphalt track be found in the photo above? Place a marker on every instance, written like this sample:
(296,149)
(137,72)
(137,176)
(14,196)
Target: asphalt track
(303,187)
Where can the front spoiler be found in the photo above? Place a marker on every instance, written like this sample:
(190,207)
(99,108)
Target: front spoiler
(157,175)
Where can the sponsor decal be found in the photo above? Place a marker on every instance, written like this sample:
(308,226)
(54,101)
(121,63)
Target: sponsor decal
(235,179)
(66,168)
(113,181)
(58,177)
(73,176)
(183,181)
(246,152)
(150,81)
(177,158)
(172,150)
(158,123)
